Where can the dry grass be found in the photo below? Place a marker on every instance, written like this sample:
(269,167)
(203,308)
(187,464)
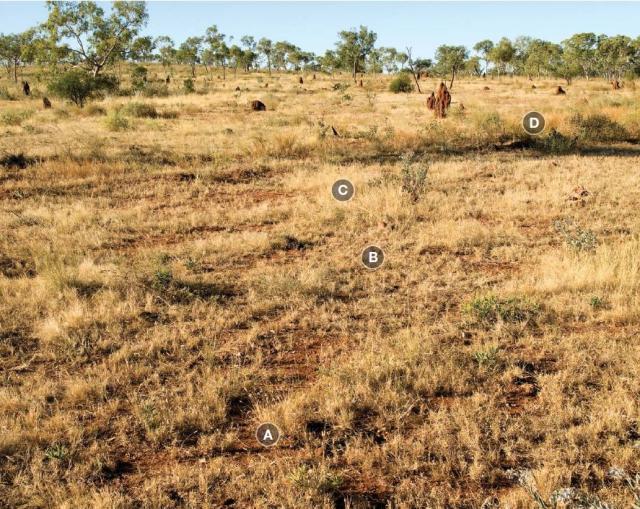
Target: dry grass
(169,283)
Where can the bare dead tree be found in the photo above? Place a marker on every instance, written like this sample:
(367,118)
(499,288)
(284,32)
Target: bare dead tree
(412,69)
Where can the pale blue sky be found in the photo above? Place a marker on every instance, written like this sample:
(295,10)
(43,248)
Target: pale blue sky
(423,25)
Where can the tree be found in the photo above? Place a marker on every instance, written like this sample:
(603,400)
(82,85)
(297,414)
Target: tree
(616,55)
(581,50)
(249,54)
(78,85)
(17,49)
(389,59)
(189,53)
(502,55)
(265,47)
(329,61)
(93,39)
(560,66)
(472,66)
(354,47)
(521,49)
(483,48)
(416,67)
(237,55)
(402,59)
(217,48)
(142,49)
(451,60)
(542,57)
(166,50)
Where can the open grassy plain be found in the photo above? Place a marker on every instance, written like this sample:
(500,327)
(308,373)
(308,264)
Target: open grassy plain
(174,272)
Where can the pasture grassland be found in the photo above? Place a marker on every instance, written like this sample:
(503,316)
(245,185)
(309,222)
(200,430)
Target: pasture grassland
(174,271)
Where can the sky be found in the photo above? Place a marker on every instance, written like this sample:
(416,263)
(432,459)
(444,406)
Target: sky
(423,26)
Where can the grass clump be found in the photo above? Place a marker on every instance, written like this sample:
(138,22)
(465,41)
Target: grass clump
(492,309)
(401,84)
(115,121)
(140,110)
(155,90)
(5,95)
(94,110)
(14,117)
(19,161)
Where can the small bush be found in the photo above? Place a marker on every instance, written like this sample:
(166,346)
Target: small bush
(138,77)
(140,110)
(414,179)
(577,238)
(491,309)
(162,279)
(78,86)
(597,302)
(57,452)
(401,84)
(188,86)
(598,127)
(487,358)
(558,143)
(115,121)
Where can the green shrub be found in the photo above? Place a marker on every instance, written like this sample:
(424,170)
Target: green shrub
(401,84)
(597,302)
(490,309)
(78,86)
(115,121)
(140,110)
(576,237)
(188,86)
(598,127)
(487,358)
(162,279)
(558,143)
(414,179)
(139,77)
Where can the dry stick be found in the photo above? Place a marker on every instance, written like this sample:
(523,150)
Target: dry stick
(412,69)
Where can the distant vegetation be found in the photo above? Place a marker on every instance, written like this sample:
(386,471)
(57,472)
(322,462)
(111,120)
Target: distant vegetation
(83,36)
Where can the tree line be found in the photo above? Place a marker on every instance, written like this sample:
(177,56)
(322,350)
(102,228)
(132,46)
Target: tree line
(82,35)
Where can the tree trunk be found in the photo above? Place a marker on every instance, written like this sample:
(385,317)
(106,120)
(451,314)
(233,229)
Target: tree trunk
(416,80)
(453,76)
(15,71)
(355,63)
